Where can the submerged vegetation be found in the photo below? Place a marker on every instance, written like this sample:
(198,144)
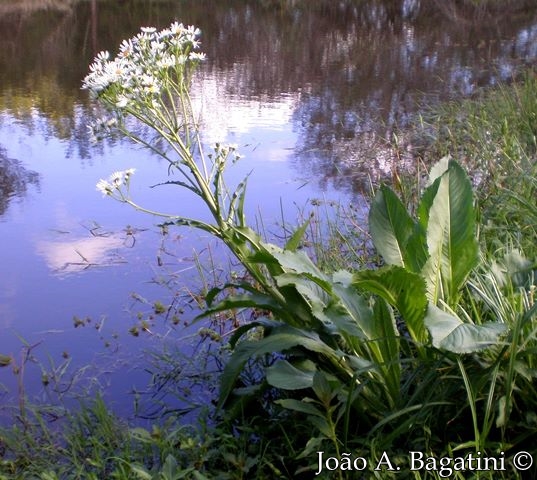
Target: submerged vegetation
(427,345)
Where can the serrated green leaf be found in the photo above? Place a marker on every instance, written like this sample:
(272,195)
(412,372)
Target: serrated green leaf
(404,290)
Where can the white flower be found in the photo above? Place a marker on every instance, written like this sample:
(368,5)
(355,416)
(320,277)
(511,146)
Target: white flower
(126,48)
(104,187)
(196,56)
(102,56)
(163,34)
(122,101)
(156,46)
(166,61)
(136,77)
(116,178)
(192,31)
(177,28)
(115,181)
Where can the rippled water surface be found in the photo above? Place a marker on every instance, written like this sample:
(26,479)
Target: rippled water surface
(310,95)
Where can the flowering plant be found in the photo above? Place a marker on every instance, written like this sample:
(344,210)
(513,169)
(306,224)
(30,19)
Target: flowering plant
(149,81)
(334,340)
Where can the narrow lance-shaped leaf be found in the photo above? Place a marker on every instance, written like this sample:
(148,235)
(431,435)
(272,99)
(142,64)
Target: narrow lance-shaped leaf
(294,242)
(390,226)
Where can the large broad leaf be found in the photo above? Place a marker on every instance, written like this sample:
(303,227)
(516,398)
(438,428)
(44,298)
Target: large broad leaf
(449,333)
(279,340)
(297,262)
(289,376)
(390,226)
(403,290)
(351,315)
(315,293)
(451,237)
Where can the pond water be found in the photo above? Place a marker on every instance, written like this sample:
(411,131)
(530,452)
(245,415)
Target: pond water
(311,96)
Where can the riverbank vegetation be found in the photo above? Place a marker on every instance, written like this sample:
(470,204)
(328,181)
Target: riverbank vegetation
(426,344)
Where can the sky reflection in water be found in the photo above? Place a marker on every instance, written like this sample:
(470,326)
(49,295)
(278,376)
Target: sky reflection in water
(310,97)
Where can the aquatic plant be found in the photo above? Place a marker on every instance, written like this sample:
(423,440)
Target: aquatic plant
(349,348)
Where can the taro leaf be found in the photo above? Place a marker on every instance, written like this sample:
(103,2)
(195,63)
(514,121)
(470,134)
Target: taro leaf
(403,290)
(286,376)
(5,360)
(451,238)
(391,226)
(448,332)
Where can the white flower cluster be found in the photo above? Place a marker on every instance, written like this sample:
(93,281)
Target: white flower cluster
(114,182)
(141,68)
(222,152)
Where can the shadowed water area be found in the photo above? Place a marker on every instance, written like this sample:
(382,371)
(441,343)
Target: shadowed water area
(311,92)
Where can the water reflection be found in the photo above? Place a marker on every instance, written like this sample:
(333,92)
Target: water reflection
(69,256)
(356,70)
(14,180)
(311,93)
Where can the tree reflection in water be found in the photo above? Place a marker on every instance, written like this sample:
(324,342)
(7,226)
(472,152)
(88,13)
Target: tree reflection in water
(14,180)
(357,69)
